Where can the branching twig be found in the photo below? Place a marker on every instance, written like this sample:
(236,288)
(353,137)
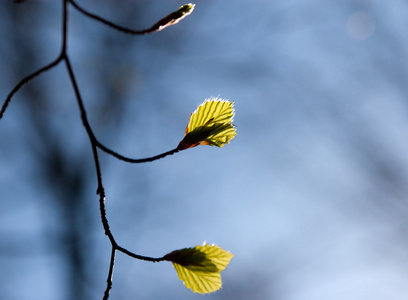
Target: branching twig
(101,191)
(95,144)
(210,124)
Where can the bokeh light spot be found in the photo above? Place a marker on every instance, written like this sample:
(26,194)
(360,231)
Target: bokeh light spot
(360,25)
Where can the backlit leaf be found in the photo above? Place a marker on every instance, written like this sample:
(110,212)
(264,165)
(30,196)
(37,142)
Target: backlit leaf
(199,267)
(210,124)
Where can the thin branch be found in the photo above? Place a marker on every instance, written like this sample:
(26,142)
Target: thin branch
(26,80)
(133,160)
(110,275)
(93,141)
(64,29)
(169,20)
(140,257)
(47,67)
(100,189)
(108,23)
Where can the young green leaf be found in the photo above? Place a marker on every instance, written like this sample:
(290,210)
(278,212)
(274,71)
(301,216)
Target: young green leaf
(200,267)
(210,124)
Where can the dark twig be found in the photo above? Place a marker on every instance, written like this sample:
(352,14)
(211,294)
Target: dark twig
(111,24)
(167,21)
(26,80)
(109,280)
(133,160)
(47,67)
(140,257)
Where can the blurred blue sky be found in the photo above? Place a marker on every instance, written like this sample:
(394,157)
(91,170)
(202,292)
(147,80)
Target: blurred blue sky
(311,195)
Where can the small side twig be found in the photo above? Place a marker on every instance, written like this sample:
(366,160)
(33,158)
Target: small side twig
(25,80)
(169,20)
(136,160)
(106,22)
